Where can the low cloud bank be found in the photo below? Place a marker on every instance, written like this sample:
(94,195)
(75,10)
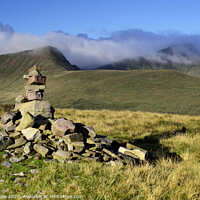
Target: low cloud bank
(88,53)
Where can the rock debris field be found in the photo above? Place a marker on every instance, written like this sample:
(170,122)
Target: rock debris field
(30,131)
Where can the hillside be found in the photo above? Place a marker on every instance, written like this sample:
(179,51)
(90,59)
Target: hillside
(14,66)
(184,58)
(48,58)
(152,91)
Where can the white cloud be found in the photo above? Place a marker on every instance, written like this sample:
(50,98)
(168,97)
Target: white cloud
(88,53)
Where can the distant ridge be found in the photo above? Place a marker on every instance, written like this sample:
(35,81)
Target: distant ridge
(184,58)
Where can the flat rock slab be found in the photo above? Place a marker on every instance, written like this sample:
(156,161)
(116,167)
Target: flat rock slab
(18,143)
(40,149)
(27,148)
(61,154)
(30,133)
(37,80)
(91,131)
(35,108)
(26,121)
(135,153)
(73,137)
(61,126)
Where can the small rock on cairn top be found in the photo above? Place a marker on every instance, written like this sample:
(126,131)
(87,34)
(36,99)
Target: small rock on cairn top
(30,130)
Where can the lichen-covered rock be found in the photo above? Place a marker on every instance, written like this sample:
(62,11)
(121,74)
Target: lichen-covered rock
(26,121)
(61,154)
(30,133)
(73,137)
(18,143)
(40,149)
(8,117)
(35,108)
(5,141)
(91,131)
(27,148)
(61,126)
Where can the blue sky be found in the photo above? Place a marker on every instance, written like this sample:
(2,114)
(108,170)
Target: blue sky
(116,29)
(100,17)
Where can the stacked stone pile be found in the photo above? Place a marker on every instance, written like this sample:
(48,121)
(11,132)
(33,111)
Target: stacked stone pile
(30,130)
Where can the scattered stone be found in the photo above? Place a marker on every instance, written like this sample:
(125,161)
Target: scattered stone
(17,181)
(135,153)
(3,191)
(34,171)
(116,163)
(15,159)
(7,164)
(21,174)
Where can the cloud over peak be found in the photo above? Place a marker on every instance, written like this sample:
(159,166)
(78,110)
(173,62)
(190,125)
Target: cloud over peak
(88,53)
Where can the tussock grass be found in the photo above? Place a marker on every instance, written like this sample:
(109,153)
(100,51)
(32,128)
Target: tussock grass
(173,174)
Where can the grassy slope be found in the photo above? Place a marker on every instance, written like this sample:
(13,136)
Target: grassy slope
(144,64)
(152,91)
(166,178)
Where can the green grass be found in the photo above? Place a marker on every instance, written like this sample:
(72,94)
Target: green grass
(173,174)
(148,91)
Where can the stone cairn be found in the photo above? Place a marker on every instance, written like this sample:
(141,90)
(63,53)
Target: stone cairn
(30,131)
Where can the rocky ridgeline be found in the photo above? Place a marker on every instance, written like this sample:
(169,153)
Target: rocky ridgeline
(30,130)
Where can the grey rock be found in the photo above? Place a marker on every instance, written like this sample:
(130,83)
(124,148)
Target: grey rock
(26,121)
(91,131)
(18,142)
(7,164)
(73,137)
(15,135)
(33,171)
(6,155)
(40,149)
(5,142)
(27,148)
(30,133)
(21,174)
(61,154)
(35,108)
(70,147)
(8,117)
(61,126)
(11,128)
(17,181)
(15,159)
